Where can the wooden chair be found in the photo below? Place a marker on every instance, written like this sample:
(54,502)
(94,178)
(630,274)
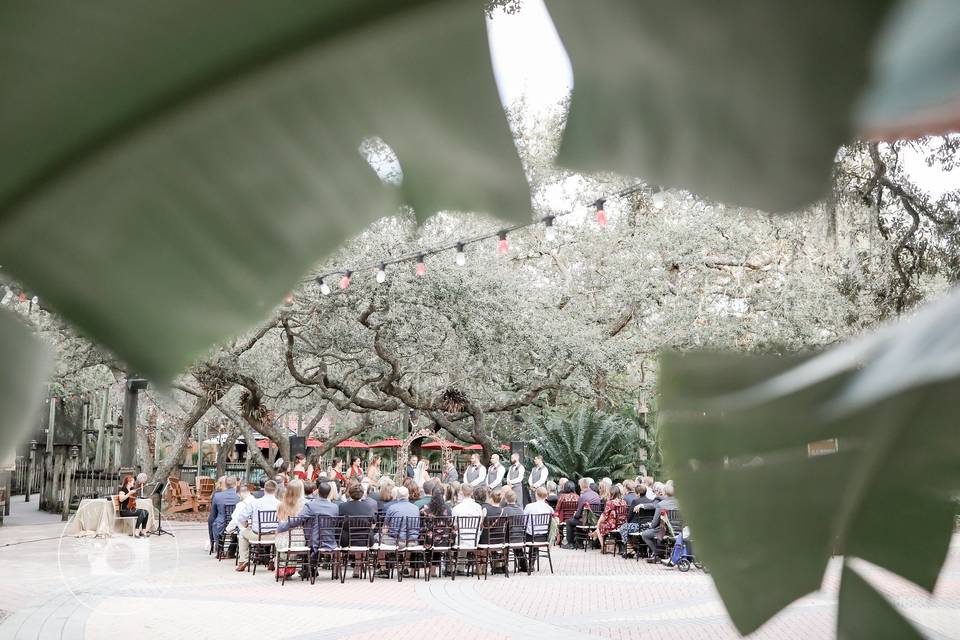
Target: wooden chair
(465,551)
(619,515)
(492,549)
(204,492)
(581,534)
(261,550)
(224,540)
(355,547)
(538,541)
(181,498)
(116,513)
(440,538)
(297,555)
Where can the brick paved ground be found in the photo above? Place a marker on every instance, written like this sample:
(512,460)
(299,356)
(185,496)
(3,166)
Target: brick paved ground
(170,588)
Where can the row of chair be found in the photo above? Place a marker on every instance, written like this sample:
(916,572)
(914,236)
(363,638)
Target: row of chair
(399,546)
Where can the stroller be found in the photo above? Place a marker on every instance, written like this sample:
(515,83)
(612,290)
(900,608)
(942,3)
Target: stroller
(682,555)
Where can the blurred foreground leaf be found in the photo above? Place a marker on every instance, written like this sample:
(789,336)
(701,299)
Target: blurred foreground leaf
(169,170)
(25,366)
(781,462)
(743,102)
(916,86)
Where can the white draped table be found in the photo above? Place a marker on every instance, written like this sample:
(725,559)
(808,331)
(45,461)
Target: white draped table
(96,517)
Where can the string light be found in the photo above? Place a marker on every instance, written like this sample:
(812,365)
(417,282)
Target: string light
(601,214)
(503,247)
(659,199)
(550,233)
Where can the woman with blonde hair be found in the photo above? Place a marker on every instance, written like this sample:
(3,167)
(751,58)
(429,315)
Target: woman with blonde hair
(373,470)
(386,493)
(291,504)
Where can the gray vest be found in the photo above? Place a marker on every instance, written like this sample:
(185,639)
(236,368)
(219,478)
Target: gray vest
(492,481)
(471,474)
(513,475)
(536,473)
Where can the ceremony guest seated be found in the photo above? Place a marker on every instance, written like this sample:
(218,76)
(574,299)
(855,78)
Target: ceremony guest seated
(566,503)
(413,490)
(127,495)
(322,506)
(467,506)
(290,505)
(259,493)
(356,505)
(589,499)
(242,509)
(451,494)
(252,532)
(538,507)
(385,497)
(401,533)
(613,517)
(651,535)
(217,520)
(552,495)
(427,493)
(635,515)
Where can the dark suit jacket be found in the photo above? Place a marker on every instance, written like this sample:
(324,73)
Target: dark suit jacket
(218,514)
(357,508)
(326,538)
(640,501)
(411,472)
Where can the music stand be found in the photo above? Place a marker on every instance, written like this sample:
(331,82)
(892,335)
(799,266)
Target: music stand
(161,488)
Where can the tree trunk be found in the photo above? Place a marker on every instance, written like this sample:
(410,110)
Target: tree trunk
(224,453)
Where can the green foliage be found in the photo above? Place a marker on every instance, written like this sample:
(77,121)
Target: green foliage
(587,443)
(25,365)
(169,172)
(750,427)
(734,102)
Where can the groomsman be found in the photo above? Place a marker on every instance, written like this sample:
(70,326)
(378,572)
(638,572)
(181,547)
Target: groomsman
(495,473)
(538,475)
(474,475)
(449,473)
(515,478)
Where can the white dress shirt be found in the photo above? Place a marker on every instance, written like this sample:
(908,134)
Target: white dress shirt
(541,479)
(468,507)
(267,503)
(536,508)
(240,513)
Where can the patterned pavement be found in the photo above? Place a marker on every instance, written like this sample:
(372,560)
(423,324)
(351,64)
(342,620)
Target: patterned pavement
(170,588)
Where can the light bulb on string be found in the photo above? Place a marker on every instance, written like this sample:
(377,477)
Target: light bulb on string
(601,214)
(550,233)
(345,280)
(324,287)
(461,258)
(382,273)
(502,245)
(659,199)
(421,266)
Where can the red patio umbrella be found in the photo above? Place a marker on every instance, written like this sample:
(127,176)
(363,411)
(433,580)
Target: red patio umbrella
(435,444)
(477,447)
(352,444)
(389,443)
(313,442)
(263,443)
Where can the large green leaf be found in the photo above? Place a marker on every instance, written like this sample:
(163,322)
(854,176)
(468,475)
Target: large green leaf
(745,102)
(916,85)
(733,427)
(169,169)
(25,366)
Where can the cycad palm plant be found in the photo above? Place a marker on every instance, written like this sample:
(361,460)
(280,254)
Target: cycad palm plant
(585,443)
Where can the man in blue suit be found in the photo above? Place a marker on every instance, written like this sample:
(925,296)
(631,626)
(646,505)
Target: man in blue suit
(217,520)
(322,506)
